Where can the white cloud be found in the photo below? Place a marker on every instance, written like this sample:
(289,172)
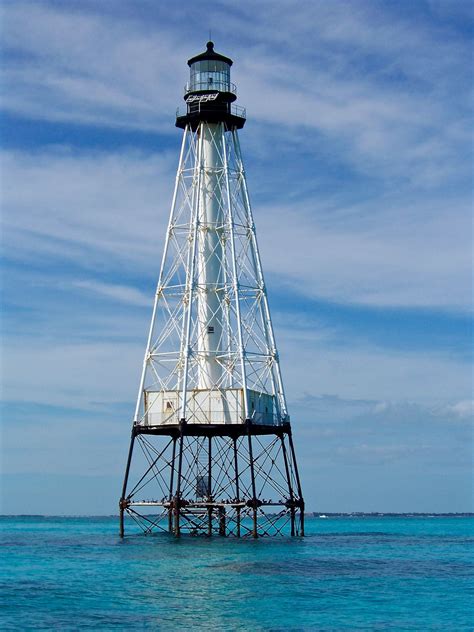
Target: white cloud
(463,409)
(385,93)
(112,209)
(104,367)
(380,407)
(81,375)
(362,371)
(87,207)
(352,432)
(388,253)
(83,67)
(121,293)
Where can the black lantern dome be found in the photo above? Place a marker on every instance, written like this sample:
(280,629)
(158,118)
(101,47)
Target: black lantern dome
(210,54)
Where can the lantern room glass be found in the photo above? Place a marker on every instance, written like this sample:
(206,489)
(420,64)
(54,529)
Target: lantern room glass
(210,75)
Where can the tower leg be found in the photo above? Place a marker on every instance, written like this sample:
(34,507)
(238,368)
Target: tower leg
(254,489)
(170,508)
(298,483)
(209,487)
(122,528)
(122,503)
(237,485)
(177,499)
(222,521)
(290,486)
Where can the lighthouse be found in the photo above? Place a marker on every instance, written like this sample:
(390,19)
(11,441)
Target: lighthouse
(211,449)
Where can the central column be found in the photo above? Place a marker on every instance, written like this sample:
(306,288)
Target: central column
(210,257)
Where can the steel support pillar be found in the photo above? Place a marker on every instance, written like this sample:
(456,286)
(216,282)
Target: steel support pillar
(254,489)
(177,500)
(209,487)
(290,485)
(237,485)
(170,496)
(122,503)
(298,483)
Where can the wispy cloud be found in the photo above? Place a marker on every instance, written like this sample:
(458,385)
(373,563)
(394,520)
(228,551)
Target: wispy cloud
(387,253)
(76,65)
(112,208)
(463,409)
(121,293)
(385,92)
(104,366)
(371,91)
(358,152)
(86,207)
(76,375)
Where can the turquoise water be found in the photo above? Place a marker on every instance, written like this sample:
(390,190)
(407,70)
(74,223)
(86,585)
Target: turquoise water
(388,573)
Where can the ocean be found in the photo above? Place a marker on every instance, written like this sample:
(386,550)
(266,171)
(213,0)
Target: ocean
(348,573)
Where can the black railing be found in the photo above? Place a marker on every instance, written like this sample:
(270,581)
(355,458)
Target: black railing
(197,107)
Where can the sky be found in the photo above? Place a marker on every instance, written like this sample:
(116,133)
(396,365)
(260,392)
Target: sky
(358,151)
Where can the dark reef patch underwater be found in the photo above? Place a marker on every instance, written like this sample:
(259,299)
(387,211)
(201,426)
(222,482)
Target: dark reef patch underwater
(349,573)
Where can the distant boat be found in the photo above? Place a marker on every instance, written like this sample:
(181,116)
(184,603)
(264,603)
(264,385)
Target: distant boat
(322,516)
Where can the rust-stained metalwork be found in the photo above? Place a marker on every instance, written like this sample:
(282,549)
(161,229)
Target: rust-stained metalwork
(251,475)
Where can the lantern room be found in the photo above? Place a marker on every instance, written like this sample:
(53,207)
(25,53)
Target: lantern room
(210,72)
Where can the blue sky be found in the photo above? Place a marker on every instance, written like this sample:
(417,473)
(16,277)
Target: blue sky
(358,150)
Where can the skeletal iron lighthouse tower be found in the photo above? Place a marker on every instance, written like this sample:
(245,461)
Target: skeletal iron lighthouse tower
(211,449)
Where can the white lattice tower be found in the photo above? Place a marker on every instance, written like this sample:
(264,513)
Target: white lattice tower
(211,385)
(211,334)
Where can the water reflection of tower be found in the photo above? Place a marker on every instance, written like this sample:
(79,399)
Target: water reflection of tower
(216,450)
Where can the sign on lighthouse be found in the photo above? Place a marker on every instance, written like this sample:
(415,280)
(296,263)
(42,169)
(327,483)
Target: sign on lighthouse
(211,449)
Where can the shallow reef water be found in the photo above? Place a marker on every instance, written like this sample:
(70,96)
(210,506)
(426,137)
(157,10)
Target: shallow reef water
(348,573)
